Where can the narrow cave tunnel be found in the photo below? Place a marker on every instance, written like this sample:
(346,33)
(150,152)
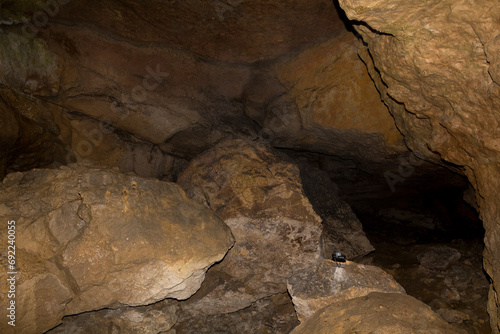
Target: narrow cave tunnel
(193,166)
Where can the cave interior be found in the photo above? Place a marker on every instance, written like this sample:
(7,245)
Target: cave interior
(145,87)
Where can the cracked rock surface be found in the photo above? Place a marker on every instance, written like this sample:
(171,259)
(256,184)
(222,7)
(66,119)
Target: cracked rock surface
(89,239)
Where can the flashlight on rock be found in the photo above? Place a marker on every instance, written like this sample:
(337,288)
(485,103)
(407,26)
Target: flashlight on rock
(339,259)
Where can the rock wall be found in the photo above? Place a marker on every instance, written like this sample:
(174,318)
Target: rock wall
(436,65)
(113,77)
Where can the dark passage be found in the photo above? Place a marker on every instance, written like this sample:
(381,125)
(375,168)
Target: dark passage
(424,233)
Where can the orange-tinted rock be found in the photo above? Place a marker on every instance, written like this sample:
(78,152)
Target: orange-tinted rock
(378,313)
(332,89)
(90,239)
(436,66)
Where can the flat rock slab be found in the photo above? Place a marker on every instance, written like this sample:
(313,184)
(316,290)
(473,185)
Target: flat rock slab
(326,283)
(377,313)
(88,239)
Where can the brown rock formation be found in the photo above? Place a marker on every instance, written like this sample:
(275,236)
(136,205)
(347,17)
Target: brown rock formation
(437,68)
(156,318)
(148,86)
(261,199)
(159,83)
(377,312)
(88,239)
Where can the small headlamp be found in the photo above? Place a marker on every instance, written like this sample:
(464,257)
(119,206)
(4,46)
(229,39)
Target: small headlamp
(339,259)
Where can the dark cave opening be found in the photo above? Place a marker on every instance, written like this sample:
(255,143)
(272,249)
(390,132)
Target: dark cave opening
(425,234)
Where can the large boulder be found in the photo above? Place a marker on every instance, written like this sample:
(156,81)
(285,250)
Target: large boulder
(259,195)
(329,283)
(378,313)
(88,239)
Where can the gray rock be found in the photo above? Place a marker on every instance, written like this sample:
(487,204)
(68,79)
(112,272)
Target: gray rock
(151,319)
(326,283)
(270,315)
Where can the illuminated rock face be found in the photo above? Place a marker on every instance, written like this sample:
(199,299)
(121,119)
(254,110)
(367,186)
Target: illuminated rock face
(329,283)
(377,312)
(437,67)
(89,239)
(277,231)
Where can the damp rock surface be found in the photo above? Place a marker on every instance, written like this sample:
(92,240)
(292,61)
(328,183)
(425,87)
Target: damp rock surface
(90,238)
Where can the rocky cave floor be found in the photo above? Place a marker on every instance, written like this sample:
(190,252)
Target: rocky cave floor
(458,293)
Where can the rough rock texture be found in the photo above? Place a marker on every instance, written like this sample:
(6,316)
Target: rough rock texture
(322,99)
(176,74)
(333,91)
(270,315)
(152,319)
(342,230)
(276,230)
(183,71)
(89,239)
(462,287)
(94,143)
(438,257)
(377,313)
(436,65)
(325,284)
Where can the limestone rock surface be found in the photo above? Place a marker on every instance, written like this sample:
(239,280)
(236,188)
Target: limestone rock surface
(378,313)
(276,230)
(326,283)
(88,239)
(437,67)
(333,90)
(185,72)
(322,99)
